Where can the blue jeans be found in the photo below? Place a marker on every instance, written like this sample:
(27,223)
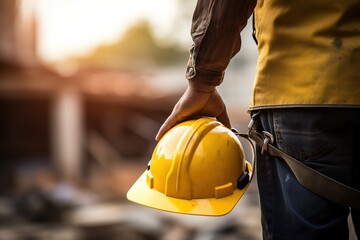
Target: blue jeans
(326,139)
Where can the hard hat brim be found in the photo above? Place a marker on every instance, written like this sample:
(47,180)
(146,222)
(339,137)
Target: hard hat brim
(142,194)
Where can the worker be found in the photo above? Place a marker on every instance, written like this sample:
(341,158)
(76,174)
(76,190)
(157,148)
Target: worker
(306,94)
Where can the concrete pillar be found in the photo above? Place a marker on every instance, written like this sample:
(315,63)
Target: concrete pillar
(67,133)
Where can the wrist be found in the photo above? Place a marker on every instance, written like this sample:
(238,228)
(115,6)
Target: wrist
(201,87)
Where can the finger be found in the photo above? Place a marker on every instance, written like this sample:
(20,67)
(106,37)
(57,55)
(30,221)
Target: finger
(170,122)
(224,119)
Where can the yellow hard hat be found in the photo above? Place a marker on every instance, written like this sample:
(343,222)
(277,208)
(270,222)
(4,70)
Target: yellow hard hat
(198,167)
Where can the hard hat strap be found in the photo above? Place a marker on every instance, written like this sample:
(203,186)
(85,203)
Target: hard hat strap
(246,176)
(244,179)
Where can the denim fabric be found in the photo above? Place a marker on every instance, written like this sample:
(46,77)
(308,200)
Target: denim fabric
(326,139)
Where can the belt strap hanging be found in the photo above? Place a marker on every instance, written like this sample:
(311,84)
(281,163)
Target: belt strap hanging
(311,179)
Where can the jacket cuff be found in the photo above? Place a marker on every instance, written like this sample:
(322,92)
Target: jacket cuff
(203,77)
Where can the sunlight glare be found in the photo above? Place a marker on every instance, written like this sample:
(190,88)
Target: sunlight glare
(74,27)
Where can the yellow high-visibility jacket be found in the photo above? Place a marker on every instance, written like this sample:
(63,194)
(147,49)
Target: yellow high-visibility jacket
(309,51)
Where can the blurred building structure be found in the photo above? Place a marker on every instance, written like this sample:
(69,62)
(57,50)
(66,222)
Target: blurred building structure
(71,121)
(70,139)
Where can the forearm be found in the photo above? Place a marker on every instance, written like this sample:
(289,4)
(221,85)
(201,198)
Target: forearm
(216,38)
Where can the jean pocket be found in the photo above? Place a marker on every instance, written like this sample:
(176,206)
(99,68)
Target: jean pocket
(306,135)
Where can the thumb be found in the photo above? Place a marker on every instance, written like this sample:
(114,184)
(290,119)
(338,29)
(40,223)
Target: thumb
(166,126)
(224,119)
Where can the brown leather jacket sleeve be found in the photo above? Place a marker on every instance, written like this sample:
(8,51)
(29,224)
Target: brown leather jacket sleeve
(215,31)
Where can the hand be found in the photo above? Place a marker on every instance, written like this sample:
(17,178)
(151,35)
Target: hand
(196,103)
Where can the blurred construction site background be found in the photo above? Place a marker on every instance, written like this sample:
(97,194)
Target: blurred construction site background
(84,87)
